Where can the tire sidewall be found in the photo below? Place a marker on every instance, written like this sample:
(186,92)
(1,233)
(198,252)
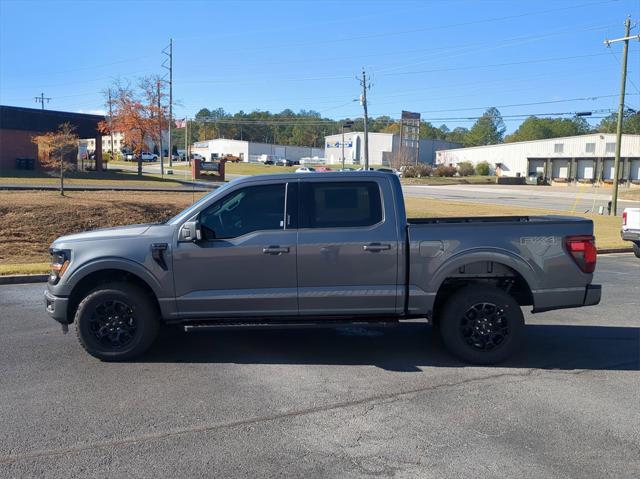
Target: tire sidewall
(457,306)
(144,314)
(636,249)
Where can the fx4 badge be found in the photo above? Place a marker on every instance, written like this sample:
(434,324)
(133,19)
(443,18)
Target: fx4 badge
(539,244)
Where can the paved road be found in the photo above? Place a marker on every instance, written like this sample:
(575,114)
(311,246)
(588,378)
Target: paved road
(556,198)
(335,403)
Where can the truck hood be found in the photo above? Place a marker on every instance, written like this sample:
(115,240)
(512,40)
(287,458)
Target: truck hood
(106,233)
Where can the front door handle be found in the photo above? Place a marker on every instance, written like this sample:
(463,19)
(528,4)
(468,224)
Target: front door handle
(376,247)
(275,250)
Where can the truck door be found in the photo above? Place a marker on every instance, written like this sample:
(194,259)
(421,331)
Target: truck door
(245,264)
(347,248)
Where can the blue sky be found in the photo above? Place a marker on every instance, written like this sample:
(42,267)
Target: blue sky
(445,59)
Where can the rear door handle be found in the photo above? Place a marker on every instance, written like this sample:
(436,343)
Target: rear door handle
(376,247)
(275,250)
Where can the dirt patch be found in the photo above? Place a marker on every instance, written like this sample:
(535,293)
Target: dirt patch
(30,221)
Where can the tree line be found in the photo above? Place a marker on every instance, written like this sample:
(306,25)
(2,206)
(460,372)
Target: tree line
(136,112)
(308,127)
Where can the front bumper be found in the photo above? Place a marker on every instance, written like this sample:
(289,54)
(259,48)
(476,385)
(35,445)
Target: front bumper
(56,307)
(630,235)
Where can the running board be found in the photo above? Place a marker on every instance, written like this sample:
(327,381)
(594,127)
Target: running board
(213,325)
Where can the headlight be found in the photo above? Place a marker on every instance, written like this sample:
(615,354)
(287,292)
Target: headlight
(59,263)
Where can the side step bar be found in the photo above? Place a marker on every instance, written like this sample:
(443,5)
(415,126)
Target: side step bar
(215,325)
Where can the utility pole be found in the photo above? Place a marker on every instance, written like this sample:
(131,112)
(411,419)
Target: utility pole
(186,140)
(365,87)
(41,99)
(616,165)
(160,131)
(169,58)
(111,124)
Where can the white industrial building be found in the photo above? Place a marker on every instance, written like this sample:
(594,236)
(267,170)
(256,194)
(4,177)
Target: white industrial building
(584,158)
(383,148)
(250,151)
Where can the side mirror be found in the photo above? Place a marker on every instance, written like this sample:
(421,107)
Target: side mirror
(190,231)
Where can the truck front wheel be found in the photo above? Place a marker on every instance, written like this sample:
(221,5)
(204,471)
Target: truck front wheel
(481,325)
(116,322)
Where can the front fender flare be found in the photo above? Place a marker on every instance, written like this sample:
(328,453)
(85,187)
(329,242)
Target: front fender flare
(113,263)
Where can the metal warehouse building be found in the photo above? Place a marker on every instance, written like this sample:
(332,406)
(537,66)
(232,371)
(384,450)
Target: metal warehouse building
(382,148)
(584,158)
(251,151)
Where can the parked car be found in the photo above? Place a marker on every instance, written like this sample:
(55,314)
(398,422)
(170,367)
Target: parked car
(145,156)
(305,169)
(323,169)
(345,254)
(631,228)
(286,162)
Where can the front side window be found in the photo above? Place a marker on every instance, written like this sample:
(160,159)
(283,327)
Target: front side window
(243,211)
(340,204)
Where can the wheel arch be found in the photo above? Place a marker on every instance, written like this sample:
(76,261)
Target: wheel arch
(94,277)
(492,268)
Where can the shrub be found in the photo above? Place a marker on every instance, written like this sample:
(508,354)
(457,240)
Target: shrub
(444,170)
(465,168)
(483,168)
(420,170)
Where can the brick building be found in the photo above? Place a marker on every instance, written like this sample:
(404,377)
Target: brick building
(19,125)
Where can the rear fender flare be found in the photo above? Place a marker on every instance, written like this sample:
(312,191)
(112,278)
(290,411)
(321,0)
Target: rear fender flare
(506,258)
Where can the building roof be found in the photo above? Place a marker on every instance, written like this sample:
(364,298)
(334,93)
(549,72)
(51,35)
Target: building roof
(548,140)
(34,119)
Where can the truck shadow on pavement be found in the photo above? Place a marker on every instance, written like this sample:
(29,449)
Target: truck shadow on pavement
(404,348)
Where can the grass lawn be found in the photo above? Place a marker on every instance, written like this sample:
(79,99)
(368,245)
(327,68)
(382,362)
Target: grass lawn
(631,194)
(437,180)
(607,228)
(31,220)
(95,178)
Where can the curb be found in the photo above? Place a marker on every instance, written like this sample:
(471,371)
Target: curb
(615,250)
(24,278)
(176,189)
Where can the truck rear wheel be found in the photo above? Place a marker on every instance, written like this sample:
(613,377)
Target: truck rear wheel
(116,322)
(636,249)
(481,325)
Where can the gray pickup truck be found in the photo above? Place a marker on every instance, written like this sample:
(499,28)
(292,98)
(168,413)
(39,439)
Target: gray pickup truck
(321,249)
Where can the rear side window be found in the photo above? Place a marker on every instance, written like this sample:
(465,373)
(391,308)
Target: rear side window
(340,204)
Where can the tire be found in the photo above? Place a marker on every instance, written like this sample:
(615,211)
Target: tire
(481,325)
(116,322)
(636,249)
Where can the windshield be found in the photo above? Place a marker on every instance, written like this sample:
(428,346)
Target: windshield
(183,215)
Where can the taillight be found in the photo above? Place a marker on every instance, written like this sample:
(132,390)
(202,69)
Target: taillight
(624,218)
(583,251)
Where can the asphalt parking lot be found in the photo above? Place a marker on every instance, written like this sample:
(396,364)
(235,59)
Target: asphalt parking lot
(327,403)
